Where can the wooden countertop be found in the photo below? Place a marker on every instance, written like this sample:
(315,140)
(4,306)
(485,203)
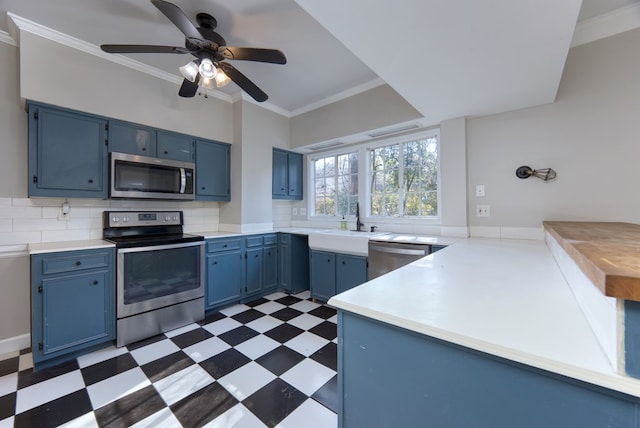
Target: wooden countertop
(608,253)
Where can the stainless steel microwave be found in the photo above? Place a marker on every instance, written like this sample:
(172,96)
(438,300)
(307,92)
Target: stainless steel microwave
(134,176)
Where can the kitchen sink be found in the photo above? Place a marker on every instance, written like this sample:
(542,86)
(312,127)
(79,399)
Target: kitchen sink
(342,241)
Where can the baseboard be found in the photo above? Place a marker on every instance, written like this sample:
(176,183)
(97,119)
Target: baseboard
(14,344)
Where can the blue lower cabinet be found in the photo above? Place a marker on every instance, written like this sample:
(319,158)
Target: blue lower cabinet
(270,267)
(72,304)
(254,271)
(417,381)
(224,271)
(293,263)
(333,273)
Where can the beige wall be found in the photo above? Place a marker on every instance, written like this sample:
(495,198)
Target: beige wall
(589,136)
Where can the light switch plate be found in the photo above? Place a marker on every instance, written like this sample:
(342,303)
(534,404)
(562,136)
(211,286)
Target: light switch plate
(480,190)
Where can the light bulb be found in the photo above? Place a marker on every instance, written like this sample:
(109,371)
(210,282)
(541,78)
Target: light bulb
(207,69)
(222,79)
(206,83)
(189,71)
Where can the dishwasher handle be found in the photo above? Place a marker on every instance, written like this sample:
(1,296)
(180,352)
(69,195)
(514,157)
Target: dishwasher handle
(402,251)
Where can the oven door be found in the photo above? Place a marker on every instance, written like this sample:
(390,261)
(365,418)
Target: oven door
(155,277)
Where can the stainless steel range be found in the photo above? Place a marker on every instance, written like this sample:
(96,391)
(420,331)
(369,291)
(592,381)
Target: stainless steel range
(159,273)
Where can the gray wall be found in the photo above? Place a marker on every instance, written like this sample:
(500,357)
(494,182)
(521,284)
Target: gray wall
(589,136)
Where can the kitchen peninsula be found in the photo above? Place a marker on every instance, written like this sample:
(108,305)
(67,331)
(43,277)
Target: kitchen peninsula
(486,333)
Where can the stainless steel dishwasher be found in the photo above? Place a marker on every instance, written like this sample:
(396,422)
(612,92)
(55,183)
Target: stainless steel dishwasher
(389,252)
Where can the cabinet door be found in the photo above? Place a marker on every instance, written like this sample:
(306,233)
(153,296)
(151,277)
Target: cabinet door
(323,275)
(284,262)
(294,163)
(75,311)
(67,154)
(171,145)
(270,258)
(279,179)
(224,278)
(130,138)
(254,270)
(350,272)
(213,171)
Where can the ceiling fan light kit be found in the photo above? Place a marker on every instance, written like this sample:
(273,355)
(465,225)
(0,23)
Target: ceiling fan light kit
(210,51)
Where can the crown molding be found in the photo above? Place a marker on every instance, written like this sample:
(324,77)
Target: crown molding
(6,38)
(64,39)
(339,96)
(611,23)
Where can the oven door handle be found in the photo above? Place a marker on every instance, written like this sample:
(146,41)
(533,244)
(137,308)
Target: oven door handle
(399,250)
(183,180)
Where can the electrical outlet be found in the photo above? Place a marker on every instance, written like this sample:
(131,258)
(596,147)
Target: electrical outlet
(480,190)
(295,211)
(64,211)
(303,211)
(483,210)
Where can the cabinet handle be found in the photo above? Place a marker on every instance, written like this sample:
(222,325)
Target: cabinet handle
(144,149)
(166,152)
(215,263)
(78,263)
(95,282)
(225,246)
(282,188)
(344,263)
(257,255)
(91,180)
(328,260)
(202,188)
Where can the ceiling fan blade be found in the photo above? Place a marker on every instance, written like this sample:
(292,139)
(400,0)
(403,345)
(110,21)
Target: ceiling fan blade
(179,19)
(188,88)
(243,81)
(253,54)
(130,49)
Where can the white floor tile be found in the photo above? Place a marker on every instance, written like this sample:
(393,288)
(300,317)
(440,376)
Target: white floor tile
(246,380)
(154,351)
(206,349)
(306,343)
(233,310)
(25,362)
(100,355)
(304,295)
(236,417)
(8,384)
(264,324)
(305,306)
(257,346)
(222,326)
(48,390)
(308,376)
(276,295)
(305,321)
(334,319)
(162,419)
(183,383)
(270,307)
(310,414)
(115,387)
(88,420)
(179,331)
(8,355)
(7,423)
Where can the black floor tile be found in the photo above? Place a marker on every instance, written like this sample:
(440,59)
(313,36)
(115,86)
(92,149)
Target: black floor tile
(324,312)
(325,329)
(7,405)
(111,367)
(203,406)
(29,377)
(166,366)
(286,314)
(288,300)
(191,337)
(211,317)
(9,366)
(145,342)
(130,409)
(327,355)
(280,360)
(274,402)
(284,332)
(327,395)
(248,316)
(56,412)
(238,335)
(257,302)
(25,351)
(224,363)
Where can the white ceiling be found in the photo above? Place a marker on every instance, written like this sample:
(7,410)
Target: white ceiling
(447,58)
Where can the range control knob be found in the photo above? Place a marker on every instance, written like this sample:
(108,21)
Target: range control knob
(167,218)
(126,219)
(115,219)
(175,218)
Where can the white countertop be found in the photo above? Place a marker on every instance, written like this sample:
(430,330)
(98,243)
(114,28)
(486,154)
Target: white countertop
(503,297)
(52,247)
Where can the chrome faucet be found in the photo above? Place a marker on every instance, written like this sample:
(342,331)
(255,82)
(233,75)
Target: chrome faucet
(358,223)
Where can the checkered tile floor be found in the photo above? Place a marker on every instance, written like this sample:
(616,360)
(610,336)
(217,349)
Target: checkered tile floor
(270,362)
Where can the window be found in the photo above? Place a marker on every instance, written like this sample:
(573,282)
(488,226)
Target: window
(404,179)
(336,184)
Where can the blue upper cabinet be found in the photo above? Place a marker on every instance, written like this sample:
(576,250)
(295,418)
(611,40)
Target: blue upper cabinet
(286,175)
(171,145)
(130,138)
(213,171)
(67,153)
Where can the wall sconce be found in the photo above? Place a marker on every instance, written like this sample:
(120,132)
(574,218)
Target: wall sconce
(545,174)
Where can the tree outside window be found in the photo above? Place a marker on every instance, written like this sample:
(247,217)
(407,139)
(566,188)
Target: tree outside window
(336,184)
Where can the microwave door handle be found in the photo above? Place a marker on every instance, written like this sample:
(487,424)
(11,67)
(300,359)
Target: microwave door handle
(183,180)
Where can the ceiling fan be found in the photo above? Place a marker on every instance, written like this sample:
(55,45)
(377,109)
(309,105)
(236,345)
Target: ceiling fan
(210,50)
